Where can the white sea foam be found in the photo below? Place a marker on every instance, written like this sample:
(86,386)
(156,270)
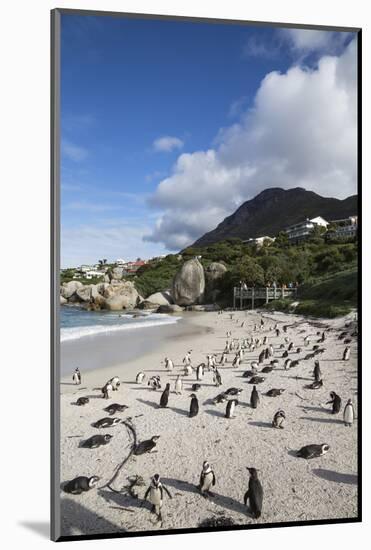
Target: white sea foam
(74,333)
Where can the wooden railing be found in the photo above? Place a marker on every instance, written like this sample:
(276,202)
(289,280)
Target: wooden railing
(268,293)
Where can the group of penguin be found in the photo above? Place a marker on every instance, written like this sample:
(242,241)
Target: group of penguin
(254,495)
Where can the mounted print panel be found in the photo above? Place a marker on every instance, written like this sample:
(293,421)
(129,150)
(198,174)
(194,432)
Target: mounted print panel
(205,208)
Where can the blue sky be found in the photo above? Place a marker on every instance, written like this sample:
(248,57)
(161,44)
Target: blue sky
(154,115)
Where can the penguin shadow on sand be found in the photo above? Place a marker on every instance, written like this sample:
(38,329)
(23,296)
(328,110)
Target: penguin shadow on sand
(77,517)
(260,424)
(123,500)
(336,477)
(224,501)
(152,404)
(306,408)
(322,420)
(215,412)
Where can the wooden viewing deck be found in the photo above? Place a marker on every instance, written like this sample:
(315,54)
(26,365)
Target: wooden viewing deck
(266,294)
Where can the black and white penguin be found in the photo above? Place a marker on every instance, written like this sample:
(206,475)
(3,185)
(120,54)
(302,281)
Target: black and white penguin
(346,354)
(236,361)
(193,410)
(76,377)
(169,365)
(115,408)
(294,363)
(217,379)
(313,451)
(106,422)
(140,378)
(261,356)
(266,353)
(270,350)
(233,391)
(80,485)
(275,392)
(178,385)
(231,406)
(256,380)
(348,414)
(165,396)
(267,369)
(96,441)
(285,353)
(223,359)
(207,479)
(146,446)
(291,346)
(278,419)
(154,382)
(254,494)
(107,388)
(265,340)
(316,385)
(200,371)
(196,387)
(156,494)
(287,363)
(335,401)
(115,383)
(82,401)
(254,399)
(220,398)
(187,358)
(317,371)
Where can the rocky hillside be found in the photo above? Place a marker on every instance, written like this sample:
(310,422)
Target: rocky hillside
(273,210)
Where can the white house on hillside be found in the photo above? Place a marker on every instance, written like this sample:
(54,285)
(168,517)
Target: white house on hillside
(346,227)
(301,231)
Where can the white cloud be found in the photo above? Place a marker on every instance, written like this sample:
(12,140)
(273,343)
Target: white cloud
(167,144)
(73,152)
(300,132)
(310,40)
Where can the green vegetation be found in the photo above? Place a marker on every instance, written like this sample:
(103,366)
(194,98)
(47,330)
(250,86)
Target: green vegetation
(156,276)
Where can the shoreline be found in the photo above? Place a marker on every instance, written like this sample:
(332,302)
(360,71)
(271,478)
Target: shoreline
(294,489)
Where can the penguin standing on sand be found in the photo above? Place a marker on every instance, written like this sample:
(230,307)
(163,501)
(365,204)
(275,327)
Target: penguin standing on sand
(348,413)
(254,494)
(106,389)
(335,401)
(223,359)
(80,484)
(200,371)
(140,377)
(115,383)
(317,372)
(261,356)
(217,379)
(254,399)
(165,396)
(76,377)
(346,354)
(193,410)
(178,385)
(278,419)
(231,406)
(169,365)
(207,479)
(187,358)
(156,493)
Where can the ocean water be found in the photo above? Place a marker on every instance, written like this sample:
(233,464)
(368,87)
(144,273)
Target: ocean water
(76,323)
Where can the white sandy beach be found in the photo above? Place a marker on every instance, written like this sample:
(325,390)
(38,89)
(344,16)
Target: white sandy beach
(294,489)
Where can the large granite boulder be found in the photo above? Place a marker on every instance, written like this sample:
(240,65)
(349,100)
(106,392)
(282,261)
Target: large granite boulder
(189,284)
(68,289)
(171,308)
(62,300)
(161,298)
(117,273)
(84,293)
(121,296)
(146,304)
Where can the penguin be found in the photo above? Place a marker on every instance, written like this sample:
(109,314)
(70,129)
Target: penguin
(347,341)
(346,354)
(165,397)
(298,350)
(254,494)
(200,371)
(196,387)
(187,358)
(275,392)
(193,410)
(96,441)
(348,414)
(106,389)
(115,383)
(233,391)
(155,383)
(287,363)
(267,369)
(169,365)
(217,379)
(291,346)
(284,328)
(323,337)
(309,356)
(80,484)
(266,353)
(335,401)
(187,370)
(256,380)
(82,401)
(140,378)
(221,398)
(254,366)
(316,385)
(76,377)
(306,341)
(223,359)
(254,399)
(285,353)
(271,350)
(342,335)
(178,385)
(156,493)
(106,422)
(115,408)
(317,372)
(231,405)
(146,446)
(262,357)
(207,479)
(294,363)
(274,363)
(265,340)
(236,361)
(313,451)
(278,419)
(278,332)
